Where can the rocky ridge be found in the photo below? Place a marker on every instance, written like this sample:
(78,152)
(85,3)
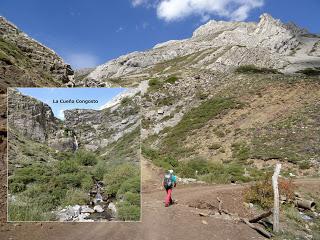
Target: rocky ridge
(35,120)
(217,46)
(98,128)
(90,128)
(26,62)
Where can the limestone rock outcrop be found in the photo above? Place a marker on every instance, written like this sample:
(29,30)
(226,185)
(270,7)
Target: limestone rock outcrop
(31,117)
(99,128)
(92,128)
(218,46)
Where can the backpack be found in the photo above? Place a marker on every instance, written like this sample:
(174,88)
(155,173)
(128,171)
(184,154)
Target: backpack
(167,182)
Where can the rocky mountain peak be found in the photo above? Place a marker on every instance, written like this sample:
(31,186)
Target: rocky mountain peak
(217,46)
(217,27)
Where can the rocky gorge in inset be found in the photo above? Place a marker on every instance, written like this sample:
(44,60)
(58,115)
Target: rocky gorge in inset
(83,168)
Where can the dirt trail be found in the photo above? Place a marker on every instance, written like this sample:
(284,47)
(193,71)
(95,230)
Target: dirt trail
(176,222)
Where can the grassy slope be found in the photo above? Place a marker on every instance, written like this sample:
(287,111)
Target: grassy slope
(258,117)
(20,70)
(42,179)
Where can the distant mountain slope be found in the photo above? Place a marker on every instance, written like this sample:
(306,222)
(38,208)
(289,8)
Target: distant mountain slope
(217,46)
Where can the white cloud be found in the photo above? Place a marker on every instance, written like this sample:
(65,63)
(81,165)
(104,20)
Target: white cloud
(174,10)
(119,29)
(145,3)
(82,60)
(136,3)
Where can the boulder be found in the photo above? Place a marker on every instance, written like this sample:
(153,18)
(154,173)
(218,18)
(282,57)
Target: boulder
(113,208)
(86,209)
(98,209)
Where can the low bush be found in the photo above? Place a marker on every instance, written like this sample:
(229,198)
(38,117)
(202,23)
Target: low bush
(130,185)
(67,166)
(255,69)
(160,160)
(100,170)
(132,198)
(214,146)
(126,101)
(117,176)
(86,158)
(86,183)
(287,188)
(310,71)
(155,84)
(28,212)
(240,151)
(194,167)
(75,196)
(128,212)
(172,79)
(16,187)
(260,193)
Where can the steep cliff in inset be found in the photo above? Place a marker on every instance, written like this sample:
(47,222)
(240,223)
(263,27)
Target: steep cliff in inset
(98,128)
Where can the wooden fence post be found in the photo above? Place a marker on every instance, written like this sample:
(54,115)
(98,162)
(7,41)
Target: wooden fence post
(276,205)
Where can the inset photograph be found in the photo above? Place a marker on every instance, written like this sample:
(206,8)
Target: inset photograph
(73,154)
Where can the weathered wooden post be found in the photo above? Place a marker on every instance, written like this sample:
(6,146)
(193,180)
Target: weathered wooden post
(276,205)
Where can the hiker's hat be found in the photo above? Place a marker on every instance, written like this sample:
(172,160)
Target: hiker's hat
(170,171)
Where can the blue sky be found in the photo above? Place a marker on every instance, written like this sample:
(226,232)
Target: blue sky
(47,95)
(87,33)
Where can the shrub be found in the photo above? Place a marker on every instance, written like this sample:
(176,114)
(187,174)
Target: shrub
(34,190)
(87,183)
(132,198)
(214,146)
(260,193)
(128,212)
(16,187)
(155,84)
(190,168)
(221,178)
(171,79)
(100,170)
(117,176)
(304,165)
(287,188)
(86,158)
(126,101)
(165,162)
(310,71)
(131,185)
(75,196)
(240,151)
(255,69)
(67,166)
(67,180)
(30,174)
(166,101)
(27,213)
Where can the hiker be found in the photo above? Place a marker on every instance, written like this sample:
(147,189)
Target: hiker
(168,183)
